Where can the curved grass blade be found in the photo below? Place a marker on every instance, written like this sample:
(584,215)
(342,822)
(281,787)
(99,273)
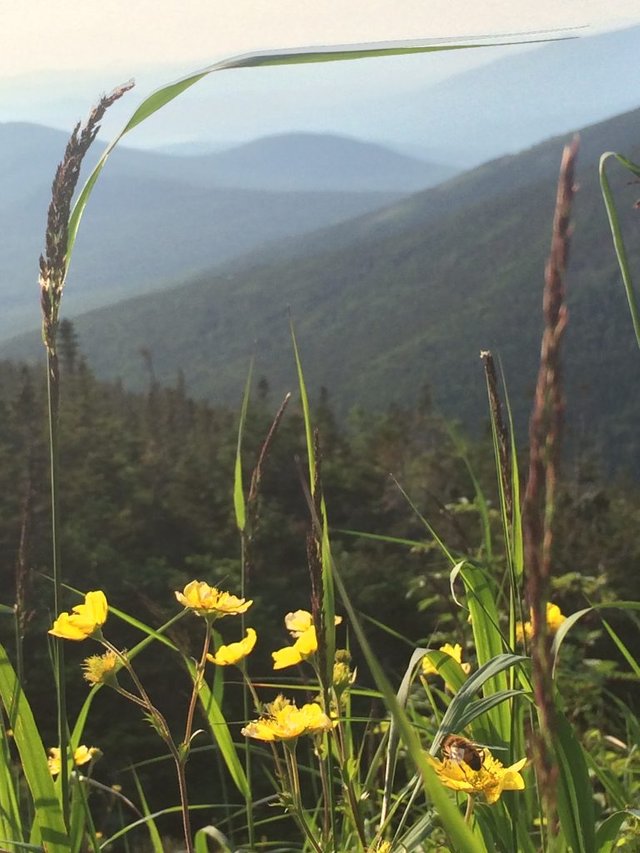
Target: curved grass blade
(616,234)
(52,830)
(222,735)
(220,840)
(322,531)
(459,833)
(609,829)
(338,53)
(394,735)
(464,708)
(154,835)
(489,642)
(574,790)
(10,825)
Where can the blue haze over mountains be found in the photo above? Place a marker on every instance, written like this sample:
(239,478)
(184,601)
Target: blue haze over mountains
(401,285)
(155,219)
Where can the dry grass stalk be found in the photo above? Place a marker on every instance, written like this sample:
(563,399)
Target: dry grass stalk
(545,428)
(54,263)
(502,433)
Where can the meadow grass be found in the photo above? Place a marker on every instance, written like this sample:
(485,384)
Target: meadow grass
(462,755)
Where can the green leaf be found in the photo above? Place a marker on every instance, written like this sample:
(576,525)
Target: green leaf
(222,735)
(460,835)
(221,842)
(608,830)
(328,594)
(574,791)
(462,708)
(33,758)
(489,642)
(563,630)
(337,53)
(238,489)
(616,234)
(154,835)
(10,826)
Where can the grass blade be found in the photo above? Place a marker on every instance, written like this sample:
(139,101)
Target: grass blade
(238,489)
(33,758)
(338,53)
(574,792)
(616,234)
(222,735)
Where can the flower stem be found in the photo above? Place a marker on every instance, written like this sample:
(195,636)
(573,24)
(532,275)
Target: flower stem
(294,784)
(197,681)
(471,800)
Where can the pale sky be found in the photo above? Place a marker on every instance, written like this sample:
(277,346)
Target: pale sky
(80,34)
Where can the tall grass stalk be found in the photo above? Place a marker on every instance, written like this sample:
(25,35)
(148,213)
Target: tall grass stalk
(54,265)
(545,429)
(246,512)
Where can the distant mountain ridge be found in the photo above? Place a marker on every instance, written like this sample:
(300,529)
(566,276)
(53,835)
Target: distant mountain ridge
(409,295)
(154,217)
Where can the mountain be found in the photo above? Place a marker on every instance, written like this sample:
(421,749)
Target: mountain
(310,161)
(154,217)
(408,296)
(515,101)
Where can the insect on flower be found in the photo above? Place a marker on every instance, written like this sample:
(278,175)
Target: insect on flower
(458,749)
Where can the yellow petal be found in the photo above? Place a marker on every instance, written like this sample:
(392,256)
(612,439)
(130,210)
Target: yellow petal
(96,607)
(68,630)
(298,622)
(234,652)
(288,656)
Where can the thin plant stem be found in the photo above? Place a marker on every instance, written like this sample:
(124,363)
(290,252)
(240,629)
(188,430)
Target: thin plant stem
(351,793)
(197,683)
(53,408)
(180,762)
(179,755)
(246,686)
(471,800)
(294,785)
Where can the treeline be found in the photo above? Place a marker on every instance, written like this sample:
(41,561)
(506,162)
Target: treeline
(146,505)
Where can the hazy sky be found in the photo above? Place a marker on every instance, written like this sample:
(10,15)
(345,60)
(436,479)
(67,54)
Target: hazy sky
(67,34)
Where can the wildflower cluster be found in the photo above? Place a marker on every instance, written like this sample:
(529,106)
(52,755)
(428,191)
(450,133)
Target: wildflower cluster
(283,721)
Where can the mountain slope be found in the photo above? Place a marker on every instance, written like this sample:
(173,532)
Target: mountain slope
(409,296)
(155,217)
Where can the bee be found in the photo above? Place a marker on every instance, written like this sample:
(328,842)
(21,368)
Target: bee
(458,749)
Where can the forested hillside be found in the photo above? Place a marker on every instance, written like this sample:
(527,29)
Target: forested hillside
(409,295)
(146,504)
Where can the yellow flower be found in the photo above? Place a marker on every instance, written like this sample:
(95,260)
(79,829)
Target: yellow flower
(206,600)
(453,651)
(305,646)
(101,669)
(85,620)
(82,755)
(298,622)
(284,721)
(490,780)
(300,625)
(555,618)
(234,652)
